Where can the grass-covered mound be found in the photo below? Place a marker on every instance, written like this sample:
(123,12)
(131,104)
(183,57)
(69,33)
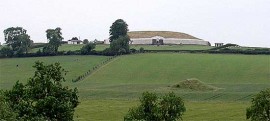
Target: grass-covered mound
(194,84)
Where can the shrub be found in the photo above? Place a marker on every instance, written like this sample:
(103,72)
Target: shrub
(44,97)
(152,108)
(88,48)
(260,107)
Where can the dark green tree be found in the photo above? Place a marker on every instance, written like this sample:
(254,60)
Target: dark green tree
(74,38)
(118,28)
(85,41)
(55,38)
(88,48)
(260,107)
(17,39)
(44,97)
(152,108)
(6,51)
(6,112)
(120,45)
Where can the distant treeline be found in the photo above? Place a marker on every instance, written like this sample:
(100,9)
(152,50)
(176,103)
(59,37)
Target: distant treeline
(226,49)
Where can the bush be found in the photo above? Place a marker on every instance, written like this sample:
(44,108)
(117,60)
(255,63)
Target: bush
(6,112)
(88,48)
(260,107)
(44,96)
(6,52)
(152,108)
(141,50)
(132,50)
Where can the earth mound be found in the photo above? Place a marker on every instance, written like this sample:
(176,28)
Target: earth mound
(194,84)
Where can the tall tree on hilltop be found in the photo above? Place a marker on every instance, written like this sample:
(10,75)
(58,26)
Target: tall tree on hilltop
(17,39)
(55,37)
(119,38)
(118,28)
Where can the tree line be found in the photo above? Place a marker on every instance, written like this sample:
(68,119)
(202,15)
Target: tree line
(18,42)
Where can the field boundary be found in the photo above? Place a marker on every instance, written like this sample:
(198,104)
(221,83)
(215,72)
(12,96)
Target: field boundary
(91,71)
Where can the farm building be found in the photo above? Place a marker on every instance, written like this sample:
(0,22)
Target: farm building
(74,41)
(162,38)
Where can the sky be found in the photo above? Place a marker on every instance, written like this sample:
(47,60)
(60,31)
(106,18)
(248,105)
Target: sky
(242,22)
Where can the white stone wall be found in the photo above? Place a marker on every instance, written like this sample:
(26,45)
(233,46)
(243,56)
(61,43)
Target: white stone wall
(148,41)
(137,41)
(185,41)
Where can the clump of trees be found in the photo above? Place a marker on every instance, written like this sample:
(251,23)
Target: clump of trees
(153,108)
(88,48)
(118,38)
(6,112)
(17,40)
(55,38)
(43,97)
(85,41)
(260,107)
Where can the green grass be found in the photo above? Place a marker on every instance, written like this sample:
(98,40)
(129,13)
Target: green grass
(170,68)
(75,65)
(108,93)
(115,110)
(237,76)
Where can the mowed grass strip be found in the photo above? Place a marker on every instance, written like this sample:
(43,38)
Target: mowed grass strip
(237,76)
(171,68)
(75,65)
(115,110)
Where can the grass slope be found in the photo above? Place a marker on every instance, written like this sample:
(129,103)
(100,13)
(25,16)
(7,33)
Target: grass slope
(164,68)
(75,65)
(239,76)
(114,88)
(115,110)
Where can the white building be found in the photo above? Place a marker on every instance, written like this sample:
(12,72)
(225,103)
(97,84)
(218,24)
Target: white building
(162,38)
(75,42)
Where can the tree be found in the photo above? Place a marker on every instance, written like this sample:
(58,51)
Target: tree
(120,45)
(11,33)
(74,38)
(6,112)
(17,39)
(88,48)
(118,28)
(260,107)
(152,108)
(85,41)
(44,97)
(6,51)
(55,37)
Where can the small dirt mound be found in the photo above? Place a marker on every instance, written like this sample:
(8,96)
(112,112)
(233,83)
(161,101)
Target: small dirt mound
(194,84)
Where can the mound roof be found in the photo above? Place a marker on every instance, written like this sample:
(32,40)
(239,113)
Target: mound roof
(165,34)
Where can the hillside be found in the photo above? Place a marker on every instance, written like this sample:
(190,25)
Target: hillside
(165,34)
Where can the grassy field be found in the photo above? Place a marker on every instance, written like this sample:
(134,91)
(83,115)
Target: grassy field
(115,110)
(75,65)
(109,92)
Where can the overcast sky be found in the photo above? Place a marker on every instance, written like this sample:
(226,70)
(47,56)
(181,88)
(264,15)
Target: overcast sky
(243,22)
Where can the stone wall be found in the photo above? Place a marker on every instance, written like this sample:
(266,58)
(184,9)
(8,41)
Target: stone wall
(148,41)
